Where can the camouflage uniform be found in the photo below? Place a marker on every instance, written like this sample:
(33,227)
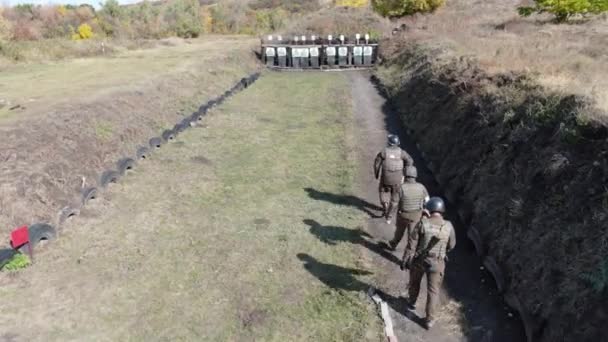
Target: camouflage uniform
(434,264)
(411,203)
(391,162)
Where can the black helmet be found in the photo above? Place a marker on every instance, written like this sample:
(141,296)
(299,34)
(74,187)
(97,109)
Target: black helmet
(411,172)
(435,205)
(393,140)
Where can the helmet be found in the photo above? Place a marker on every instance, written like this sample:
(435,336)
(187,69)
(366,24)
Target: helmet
(393,140)
(435,205)
(411,172)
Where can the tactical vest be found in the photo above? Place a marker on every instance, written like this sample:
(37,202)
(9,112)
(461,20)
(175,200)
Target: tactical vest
(413,197)
(441,231)
(392,159)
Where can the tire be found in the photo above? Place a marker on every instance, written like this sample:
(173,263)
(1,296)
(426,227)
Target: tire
(88,195)
(6,254)
(143,153)
(492,266)
(39,232)
(107,177)
(66,213)
(156,142)
(473,235)
(124,165)
(168,135)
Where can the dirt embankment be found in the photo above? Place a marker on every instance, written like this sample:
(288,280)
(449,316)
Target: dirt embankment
(527,169)
(48,158)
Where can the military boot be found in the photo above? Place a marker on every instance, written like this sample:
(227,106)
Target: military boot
(428,323)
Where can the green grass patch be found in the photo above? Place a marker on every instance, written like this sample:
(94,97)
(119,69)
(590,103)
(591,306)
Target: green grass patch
(18,262)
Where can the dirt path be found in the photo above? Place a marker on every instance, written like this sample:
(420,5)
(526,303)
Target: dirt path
(472,309)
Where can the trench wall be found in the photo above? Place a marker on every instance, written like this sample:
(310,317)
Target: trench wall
(527,171)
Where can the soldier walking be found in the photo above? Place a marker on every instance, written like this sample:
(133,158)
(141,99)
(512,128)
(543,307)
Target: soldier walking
(412,197)
(388,166)
(426,254)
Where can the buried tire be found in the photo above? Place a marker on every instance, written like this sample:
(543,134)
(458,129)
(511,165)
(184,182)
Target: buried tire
(492,266)
(107,177)
(124,165)
(66,213)
(6,254)
(156,142)
(143,153)
(532,325)
(473,235)
(88,195)
(168,135)
(39,233)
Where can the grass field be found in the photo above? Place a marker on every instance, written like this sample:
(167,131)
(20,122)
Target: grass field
(216,237)
(35,86)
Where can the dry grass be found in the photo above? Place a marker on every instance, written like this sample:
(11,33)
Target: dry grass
(210,251)
(570,58)
(77,118)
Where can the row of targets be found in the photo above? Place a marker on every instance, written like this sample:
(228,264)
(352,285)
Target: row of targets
(315,52)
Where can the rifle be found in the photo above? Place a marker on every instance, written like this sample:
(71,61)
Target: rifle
(377,167)
(419,257)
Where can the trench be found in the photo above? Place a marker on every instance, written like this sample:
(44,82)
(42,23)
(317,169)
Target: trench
(482,314)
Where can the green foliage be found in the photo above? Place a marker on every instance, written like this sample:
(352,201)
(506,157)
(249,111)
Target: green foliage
(270,20)
(292,6)
(399,8)
(112,9)
(183,18)
(18,262)
(565,9)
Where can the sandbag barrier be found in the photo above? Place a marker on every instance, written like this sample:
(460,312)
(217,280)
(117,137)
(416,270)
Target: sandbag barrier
(44,232)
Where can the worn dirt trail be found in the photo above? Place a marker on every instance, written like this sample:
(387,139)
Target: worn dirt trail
(472,310)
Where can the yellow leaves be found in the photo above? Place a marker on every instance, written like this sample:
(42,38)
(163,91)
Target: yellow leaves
(62,10)
(84,31)
(352,3)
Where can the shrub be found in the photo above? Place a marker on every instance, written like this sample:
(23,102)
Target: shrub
(565,9)
(84,31)
(398,8)
(182,17)
(25,30)
(352,3)
(5,27)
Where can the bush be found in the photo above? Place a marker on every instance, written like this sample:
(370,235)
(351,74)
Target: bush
(351,3)
(84,32)
(5,27)
(565,9)
(399,8)
(182,17)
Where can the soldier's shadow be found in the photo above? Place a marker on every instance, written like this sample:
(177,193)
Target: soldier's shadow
(343,278)
(336,277)
(333,235)
(346,200)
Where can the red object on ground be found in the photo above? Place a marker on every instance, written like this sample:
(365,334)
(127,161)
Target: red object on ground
(20,237)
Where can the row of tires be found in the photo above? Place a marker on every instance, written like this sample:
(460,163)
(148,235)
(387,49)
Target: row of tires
(491,265)
(44,232)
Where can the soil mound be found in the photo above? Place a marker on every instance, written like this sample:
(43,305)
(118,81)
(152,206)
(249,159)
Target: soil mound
(527,169)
